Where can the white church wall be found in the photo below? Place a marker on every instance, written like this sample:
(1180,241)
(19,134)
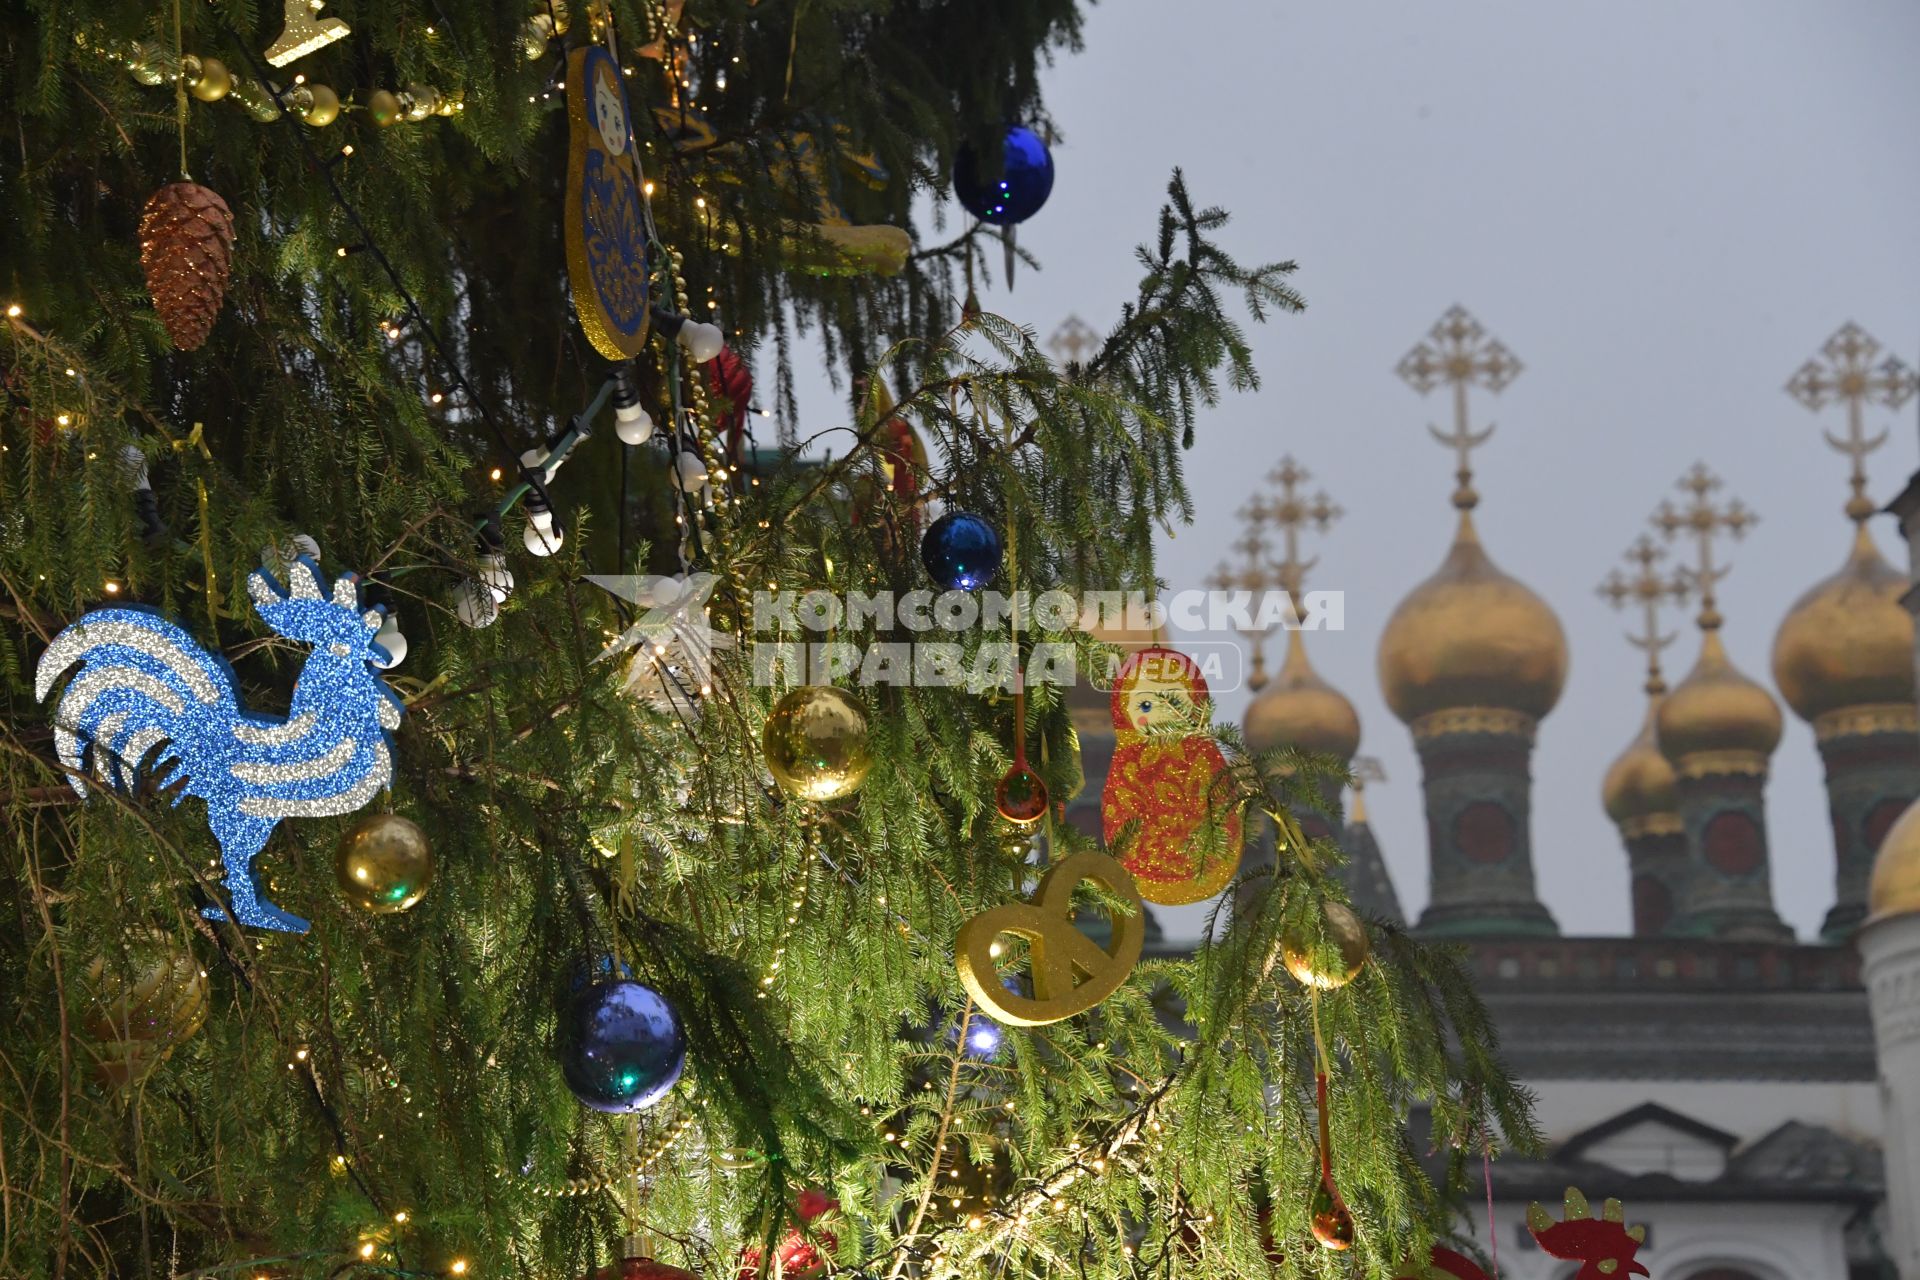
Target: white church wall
(1748,1109)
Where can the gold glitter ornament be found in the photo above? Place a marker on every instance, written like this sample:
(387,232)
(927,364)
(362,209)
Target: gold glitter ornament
(384,864)
(815,743)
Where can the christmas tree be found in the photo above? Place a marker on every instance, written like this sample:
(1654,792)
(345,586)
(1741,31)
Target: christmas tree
(492,303)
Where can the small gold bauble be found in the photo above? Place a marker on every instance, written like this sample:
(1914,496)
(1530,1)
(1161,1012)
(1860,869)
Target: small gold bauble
(384,864)
(323,106)
(1347,932)
(211,82)
(815,743)
(148,63)
(143,1001)
(422,101)
(383,106)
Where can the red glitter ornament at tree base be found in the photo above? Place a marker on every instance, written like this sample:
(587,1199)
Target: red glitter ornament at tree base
(1605,1246)
(1445,1264)
(634,1264)
(799,1256)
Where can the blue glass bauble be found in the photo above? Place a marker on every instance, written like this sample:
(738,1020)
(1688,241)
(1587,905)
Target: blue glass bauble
(1025,179)
(961,551)
(622,1046)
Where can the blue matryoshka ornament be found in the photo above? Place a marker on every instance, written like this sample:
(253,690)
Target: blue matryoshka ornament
(1023,184)
(961,551)
(606,225)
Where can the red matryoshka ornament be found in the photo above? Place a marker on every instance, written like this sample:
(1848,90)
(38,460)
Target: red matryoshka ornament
(1165,775)
(606,225)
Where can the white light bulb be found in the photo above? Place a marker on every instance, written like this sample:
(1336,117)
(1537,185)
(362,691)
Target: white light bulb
(496,577)
(633,424)
(391,641)
(702,341)
(474,605)
(692,471)
(542,535)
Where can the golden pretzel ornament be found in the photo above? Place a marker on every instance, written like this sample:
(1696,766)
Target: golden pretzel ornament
(1071,973)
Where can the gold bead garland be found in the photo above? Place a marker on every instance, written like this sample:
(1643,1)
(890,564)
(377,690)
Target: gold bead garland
(210,80)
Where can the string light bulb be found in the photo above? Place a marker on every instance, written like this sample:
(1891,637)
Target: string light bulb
(543,535)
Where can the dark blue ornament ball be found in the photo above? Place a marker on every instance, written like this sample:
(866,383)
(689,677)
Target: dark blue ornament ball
(1024,183)
(621,1046)
(961,551)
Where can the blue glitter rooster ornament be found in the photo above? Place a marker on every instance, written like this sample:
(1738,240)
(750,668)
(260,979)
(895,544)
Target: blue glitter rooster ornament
(144,683)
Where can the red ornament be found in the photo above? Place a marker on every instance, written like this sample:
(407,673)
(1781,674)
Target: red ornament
(1163,776)
(1604,1245)
(729,378)
(1021,796)
(635,1265)
(642,1269)
(798,1257)
(1445,1264)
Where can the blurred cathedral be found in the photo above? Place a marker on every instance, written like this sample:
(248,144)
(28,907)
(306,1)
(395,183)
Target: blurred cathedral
(1755,1099)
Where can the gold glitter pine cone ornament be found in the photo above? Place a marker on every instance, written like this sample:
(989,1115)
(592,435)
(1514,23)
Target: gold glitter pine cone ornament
(186,248)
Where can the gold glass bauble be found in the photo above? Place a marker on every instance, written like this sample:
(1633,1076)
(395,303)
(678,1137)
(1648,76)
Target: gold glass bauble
(142,1001)
(384,864)
(383,106)
(208,78)
(1348,933)
(815,743)
(323,106)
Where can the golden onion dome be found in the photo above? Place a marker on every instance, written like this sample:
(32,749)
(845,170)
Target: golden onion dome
(1299,709)
(1848,642)
(1894,889)
(1470,636)
(1717,710)
(1640,784)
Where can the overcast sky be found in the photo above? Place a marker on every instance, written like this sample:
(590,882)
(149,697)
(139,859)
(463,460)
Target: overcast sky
(1662,209)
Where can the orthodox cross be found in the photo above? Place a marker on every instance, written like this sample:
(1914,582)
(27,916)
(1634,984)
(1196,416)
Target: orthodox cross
(1459,353)
(1703,521)
(1845,370)
(1365,769)
(1073,341)
(1651,590)
(1289,510)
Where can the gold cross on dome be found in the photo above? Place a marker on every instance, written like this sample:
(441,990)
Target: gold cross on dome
(1651,590)
(1073,341)
(1846,371)
(1701,520)
(1459,353)
(1291,511)
(1366,769)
